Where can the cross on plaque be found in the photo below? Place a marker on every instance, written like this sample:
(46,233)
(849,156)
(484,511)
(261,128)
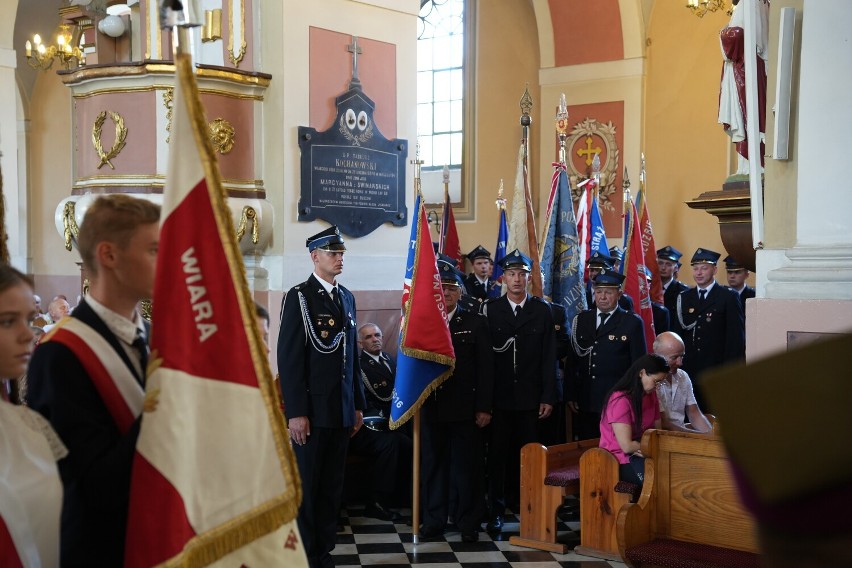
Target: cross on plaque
(354,50)
(589,151)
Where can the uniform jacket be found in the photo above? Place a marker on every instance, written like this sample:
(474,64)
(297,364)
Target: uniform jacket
(524,354)
(470,389)
(378,382)
(614,347)
(748,292)
(671,294)
(719,332)
(319,381)
(477,290)
(96,472)
(662,318)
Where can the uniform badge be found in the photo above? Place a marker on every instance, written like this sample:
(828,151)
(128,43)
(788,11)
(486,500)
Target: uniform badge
(612,338)
(624,338)
(323,334)
(691,310)
(331,321)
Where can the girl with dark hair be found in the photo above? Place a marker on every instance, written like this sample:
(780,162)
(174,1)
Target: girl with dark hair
(30,489)
(631,408)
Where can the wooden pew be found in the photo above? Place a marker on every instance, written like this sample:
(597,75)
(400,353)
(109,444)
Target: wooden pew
(601,498)
(689,512)
(548,474)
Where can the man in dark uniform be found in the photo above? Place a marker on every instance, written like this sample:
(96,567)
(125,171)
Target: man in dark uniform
(478,283)
(737,276)
(390,449)
(617,256)
(522,336)
(453,417)
(323,398)
(467,301)
(668,261)
(596,263)
(606,339)
(709,319)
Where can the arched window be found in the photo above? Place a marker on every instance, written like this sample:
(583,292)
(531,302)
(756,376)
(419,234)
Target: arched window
(444,94)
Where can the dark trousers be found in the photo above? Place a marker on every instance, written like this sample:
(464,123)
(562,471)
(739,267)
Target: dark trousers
(321,462)
(452,466)
(633,472)
(587,425)
(510,431)
(390,451)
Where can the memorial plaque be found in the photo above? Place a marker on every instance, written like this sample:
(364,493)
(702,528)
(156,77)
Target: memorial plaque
(352,176)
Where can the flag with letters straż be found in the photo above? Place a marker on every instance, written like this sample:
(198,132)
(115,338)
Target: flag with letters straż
(214,479)
(425,356)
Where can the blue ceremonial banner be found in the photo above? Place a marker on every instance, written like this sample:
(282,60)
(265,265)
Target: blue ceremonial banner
(560,259)
(598,234)
(500,252)
(425,356)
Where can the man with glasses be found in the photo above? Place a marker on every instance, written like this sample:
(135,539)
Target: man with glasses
(677,399)
(323,398)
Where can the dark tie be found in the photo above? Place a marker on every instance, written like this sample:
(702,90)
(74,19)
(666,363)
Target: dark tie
(142,347)
(604,315)
(384,360)
(336,297)
(701,294)
(517,310)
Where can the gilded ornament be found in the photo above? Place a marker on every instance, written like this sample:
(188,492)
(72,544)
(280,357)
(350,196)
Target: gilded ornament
(587,129)
(168,102)
(120,137)
(69,225)
(237,55)
(221,135)
(249,214)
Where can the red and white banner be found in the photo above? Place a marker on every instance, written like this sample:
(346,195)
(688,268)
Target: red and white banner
(214,479)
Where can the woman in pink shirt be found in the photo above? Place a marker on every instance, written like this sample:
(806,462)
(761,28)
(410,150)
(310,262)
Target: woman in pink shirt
(631,408)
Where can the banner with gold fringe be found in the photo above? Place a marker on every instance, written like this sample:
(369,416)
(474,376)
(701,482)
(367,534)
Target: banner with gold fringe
(214,478)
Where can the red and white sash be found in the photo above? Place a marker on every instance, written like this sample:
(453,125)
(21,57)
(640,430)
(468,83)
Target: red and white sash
(115,382)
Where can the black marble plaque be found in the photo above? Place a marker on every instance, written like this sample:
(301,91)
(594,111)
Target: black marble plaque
(352,176)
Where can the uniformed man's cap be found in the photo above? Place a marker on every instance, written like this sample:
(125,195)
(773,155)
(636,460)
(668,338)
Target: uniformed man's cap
(731,264)
(479,252)
(609,278)
(669,253)
(516,260)
(448,271)
(600,260)
(328,240)
(616,253)
(705,256)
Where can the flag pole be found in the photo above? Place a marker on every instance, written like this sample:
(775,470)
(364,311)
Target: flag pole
(526,105)
(415,442)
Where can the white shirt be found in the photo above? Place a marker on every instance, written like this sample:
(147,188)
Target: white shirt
(707,289)
(675,397)
(124,329)
(326,285)
(513,304)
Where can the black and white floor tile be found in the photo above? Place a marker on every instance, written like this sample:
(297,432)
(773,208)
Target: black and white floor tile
(371,542)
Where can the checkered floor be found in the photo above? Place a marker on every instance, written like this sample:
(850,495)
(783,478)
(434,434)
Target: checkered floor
(367,542)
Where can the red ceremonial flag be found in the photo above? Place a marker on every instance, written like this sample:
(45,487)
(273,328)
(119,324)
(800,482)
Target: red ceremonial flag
(648,246)
(449,244)
(584,231)
(214,477)
(635,281)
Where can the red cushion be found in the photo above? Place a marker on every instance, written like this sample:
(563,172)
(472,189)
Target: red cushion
(679,554)
(563,477)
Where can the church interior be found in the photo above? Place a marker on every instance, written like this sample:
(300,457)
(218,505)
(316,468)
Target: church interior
(640,77)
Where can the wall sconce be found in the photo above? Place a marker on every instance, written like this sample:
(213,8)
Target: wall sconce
(701,7)
(41,56)
(433,218)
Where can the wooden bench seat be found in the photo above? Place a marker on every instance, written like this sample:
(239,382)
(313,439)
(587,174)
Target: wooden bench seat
(689,513)
(548,475)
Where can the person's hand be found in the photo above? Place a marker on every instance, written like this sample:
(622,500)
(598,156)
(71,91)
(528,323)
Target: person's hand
(359,421)
(483,419)
(544,410)
(572,406)
(300,429)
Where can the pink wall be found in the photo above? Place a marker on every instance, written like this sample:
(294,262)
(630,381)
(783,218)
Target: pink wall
(586,32)
(238,164)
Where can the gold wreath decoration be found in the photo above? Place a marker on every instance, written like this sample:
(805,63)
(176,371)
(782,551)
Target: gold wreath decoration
(221,135)
(120,137)
(69,225)
(249,214)
(606,132)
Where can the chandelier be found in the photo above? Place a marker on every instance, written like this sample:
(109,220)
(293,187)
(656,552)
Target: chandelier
(41,56)
(701,7)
